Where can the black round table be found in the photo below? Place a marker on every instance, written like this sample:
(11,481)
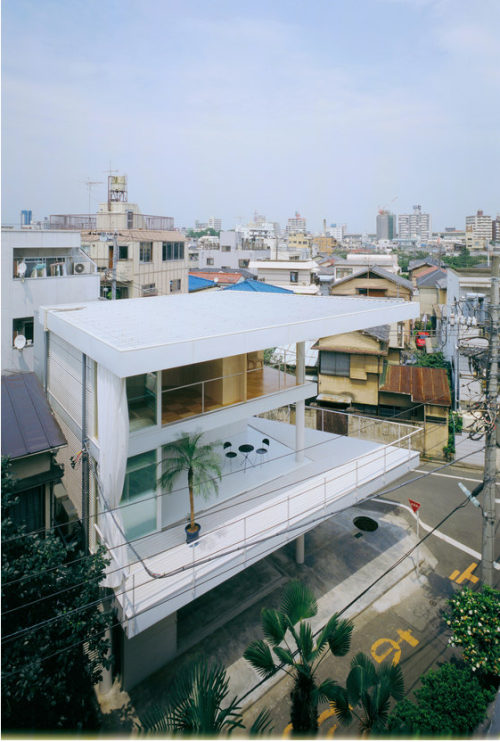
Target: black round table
(246,449)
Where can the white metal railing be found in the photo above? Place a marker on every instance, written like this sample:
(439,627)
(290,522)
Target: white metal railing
(282,516)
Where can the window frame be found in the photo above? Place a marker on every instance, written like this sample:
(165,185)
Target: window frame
(143,246)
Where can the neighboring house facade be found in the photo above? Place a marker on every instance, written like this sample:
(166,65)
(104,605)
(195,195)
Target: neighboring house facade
(31,438)
(127,378)
(361,373)
(233,252)
(356,262)
(39,267)
(379,282)
(297,275)
(149,262)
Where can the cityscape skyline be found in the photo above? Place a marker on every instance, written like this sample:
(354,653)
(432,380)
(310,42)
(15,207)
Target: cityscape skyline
(330,111)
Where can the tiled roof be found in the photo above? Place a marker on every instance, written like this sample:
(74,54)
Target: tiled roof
(432,278)
(28,425)
(382,272)
(429,385)
(196,283)
(220,277)
(259,286)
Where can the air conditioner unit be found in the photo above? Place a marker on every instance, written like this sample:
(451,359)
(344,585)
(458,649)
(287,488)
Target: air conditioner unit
(304,283)
(79,268)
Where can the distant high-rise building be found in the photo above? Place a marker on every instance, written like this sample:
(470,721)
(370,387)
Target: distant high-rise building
(26,218)
(296,223)
(215,223)
(386,225)
(479,225)
(336,232)
(416,225)
(495,230)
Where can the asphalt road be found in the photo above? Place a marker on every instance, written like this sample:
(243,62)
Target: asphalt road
(407,623)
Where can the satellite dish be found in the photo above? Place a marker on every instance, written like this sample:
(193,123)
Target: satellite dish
(20,342)
(21,269)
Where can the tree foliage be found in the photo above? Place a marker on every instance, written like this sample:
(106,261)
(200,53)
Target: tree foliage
(197,706)
(450,702)
(475,623)
(368,693)
(49,620)
(463,260)
(286,627)
(209,232)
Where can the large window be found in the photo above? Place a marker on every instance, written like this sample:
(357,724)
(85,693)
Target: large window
(334,364)
(173,251)
(123,252)
(146,252)
(28,511)
(141,398)
(139,515)
(294,276)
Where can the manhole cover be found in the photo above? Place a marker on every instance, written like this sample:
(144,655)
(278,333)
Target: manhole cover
(365,524)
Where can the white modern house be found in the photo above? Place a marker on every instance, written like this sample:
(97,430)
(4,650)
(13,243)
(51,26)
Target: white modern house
(297,275)
(39,267)
(125,378)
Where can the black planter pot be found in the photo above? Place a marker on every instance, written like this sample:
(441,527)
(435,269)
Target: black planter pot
(192,536)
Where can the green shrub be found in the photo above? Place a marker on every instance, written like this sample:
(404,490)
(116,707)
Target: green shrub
(450,702)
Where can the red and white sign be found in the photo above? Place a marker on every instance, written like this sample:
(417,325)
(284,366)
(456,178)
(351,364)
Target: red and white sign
(414,505)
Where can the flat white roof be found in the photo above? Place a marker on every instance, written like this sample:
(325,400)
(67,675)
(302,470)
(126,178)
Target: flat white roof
(134,336)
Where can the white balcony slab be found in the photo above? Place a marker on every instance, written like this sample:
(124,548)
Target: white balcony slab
(259,510)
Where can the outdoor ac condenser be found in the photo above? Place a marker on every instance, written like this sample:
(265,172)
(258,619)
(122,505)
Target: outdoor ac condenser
(79,268)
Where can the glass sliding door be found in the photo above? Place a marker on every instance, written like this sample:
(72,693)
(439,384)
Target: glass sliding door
(139,515)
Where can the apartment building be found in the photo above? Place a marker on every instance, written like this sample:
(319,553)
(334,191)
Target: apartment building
(386,225)
(126,378)
(297,275)
(39,267)
(296,223)
(415,226)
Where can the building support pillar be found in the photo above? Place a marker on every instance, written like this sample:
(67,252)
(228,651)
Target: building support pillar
(300,407)
(300,549)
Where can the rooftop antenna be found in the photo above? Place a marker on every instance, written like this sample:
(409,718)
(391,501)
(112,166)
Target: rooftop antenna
(88,184)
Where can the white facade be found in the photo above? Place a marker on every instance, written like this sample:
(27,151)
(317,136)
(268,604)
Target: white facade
(478,226)
(306,476)
(215,223)
(297,275)
(415,226)
(56,271)
(296,223)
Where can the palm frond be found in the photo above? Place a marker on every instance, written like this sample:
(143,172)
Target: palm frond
(272,626)
(394,674)
(327,691)
(342,707)
(262,724)
(259,656)
(306,641)
(298,602)
(339,639)
(284,655)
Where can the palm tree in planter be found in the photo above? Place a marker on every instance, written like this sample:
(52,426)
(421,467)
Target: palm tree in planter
(298,604)
(202,464)
(368,693)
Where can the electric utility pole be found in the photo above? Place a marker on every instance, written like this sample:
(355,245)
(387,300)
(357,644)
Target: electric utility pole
(115,258)
(489,519)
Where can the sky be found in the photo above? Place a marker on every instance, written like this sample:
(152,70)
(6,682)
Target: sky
(329,108)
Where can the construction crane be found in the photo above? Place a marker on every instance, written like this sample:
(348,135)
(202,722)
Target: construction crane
(381,210)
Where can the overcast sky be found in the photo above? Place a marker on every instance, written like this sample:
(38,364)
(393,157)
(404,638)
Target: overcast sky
(331,108)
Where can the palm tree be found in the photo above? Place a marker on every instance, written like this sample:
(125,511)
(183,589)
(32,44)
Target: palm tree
(298,604)
(368,692)
(201,463)
(195,706)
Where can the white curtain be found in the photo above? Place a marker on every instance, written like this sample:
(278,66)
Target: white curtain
(113,430)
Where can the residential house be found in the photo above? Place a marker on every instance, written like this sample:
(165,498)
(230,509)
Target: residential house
(222,276)
(297,275)
(39,267)
(31,438)
(359,372)
(377,281)
(233,252)
(361,261)
(126,378)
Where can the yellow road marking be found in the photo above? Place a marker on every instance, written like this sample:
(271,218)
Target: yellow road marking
(394,646)
(454,574)
(467,575)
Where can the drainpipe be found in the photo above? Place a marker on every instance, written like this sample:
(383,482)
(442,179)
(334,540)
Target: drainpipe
(300,407)
(85,460)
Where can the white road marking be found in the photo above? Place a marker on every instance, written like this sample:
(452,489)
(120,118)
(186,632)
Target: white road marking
(440,535)
(450,476)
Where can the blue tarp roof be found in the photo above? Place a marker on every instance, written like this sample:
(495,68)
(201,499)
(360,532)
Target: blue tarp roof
(260,286)
(196,283)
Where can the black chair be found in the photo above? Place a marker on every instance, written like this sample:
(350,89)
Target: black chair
(231,455)
(263,451)
(260,453)
(227,445)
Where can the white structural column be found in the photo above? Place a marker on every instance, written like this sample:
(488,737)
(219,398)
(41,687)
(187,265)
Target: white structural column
(300,407)
(300,440)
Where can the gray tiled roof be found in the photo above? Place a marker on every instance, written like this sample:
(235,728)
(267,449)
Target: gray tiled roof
(28,425)
(383,273)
